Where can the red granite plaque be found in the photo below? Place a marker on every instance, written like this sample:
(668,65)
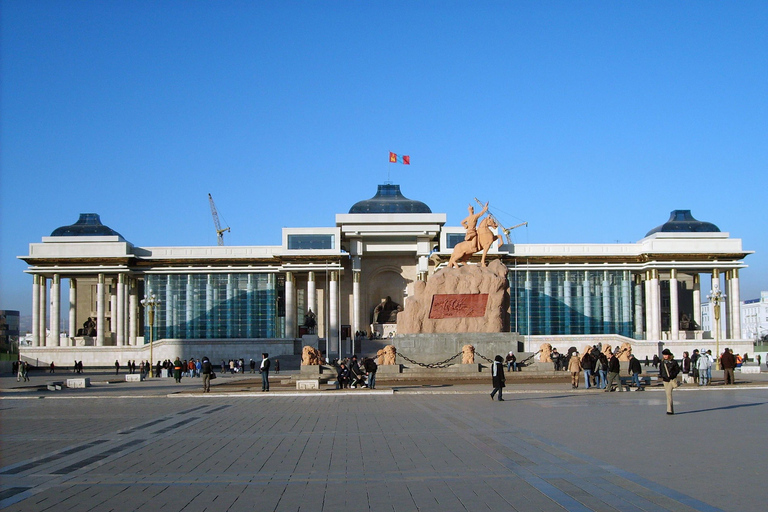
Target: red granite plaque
(458,305)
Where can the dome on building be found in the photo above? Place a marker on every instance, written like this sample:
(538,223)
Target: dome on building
(681,221)
(389,199)
(89,224)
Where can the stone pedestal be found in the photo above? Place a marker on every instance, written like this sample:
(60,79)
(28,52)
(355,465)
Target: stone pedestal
(308,384)
(84,382)
(135,377)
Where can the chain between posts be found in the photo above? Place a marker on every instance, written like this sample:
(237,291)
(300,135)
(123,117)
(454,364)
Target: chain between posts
(441,364)
(446,363)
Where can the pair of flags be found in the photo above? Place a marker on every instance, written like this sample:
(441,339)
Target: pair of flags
(394,159)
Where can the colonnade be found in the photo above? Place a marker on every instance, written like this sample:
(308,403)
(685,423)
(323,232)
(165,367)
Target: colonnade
(651,313)
(117,309)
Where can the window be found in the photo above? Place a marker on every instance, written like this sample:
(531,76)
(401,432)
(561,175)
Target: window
(304,242)
(451,239)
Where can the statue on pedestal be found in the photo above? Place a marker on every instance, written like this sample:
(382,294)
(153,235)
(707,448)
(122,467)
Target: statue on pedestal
(476,239)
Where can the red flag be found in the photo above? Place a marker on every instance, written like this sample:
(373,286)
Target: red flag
(406,160)
(392,157)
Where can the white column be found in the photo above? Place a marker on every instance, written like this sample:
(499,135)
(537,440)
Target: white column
(55,327)
(43,311)
(209,320)
(72,310)
(170,326)
(133,311)
(735,306)
(626,301)
(727,304)
(356,301)
(312,296)
(120,313)
(548,302)
(697,301)
(112,288)
(230,295)
(36,335)
(567,301)
(249,295)
(290,305)
(648,301)
(607,313)
(189,309)
(587,293)
(639,316)
(655,309)
(333,310)
(100,311)
(674,306)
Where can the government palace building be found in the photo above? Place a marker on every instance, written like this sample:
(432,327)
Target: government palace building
(96,297)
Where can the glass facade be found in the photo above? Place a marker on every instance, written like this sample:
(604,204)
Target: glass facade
(206,306)
(571,302)
(305,242)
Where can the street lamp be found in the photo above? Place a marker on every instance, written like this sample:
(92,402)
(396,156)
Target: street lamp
(716,297)
(150,303)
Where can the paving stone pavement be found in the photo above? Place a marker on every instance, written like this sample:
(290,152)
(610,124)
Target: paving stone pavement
(541,450)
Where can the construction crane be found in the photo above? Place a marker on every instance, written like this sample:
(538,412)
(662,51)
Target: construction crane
(502,228)
(219,231)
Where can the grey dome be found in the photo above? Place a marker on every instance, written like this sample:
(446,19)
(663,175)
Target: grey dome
(89,224)
(389,199)
(681,221)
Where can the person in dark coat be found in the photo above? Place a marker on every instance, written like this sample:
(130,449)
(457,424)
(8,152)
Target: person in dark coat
(264,371)
(177,370)
(668,371)
(727,362)
(497,374)
(613,374)
(206,369)
(635,370)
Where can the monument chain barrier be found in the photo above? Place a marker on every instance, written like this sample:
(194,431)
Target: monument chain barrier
(441,364)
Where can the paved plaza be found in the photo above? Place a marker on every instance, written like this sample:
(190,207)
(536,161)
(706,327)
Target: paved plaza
(155,446)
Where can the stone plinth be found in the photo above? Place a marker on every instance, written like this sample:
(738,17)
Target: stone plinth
(304,384)
(135,377)
(389,369)
(750,369)
(84,382)
(470,299)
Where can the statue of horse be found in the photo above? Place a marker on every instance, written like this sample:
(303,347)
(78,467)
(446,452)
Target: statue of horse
(463,251)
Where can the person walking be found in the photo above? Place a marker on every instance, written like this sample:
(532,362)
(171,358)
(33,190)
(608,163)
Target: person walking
(497,376)
(668,371)
(635,370)
(177,367)
(728,363)
(117,367)
(588,366)
(206,368)
(613,373)
(703,364)
(574,366)
(264,371)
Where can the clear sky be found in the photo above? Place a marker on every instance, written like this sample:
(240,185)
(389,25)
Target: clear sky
(589,120)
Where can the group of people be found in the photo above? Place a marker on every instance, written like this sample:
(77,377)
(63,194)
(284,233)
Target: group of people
(21,369)
(143,367)
(353,374)
(601,371)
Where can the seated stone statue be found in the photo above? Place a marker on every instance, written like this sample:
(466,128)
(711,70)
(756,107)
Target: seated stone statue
(386,312)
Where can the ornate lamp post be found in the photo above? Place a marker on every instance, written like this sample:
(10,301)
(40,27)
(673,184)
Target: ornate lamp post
(150,303)
(716,297)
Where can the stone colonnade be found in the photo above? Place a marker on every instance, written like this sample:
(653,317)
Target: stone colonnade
(650,316)
(117,309)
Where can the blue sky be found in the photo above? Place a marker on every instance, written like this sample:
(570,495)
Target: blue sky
(589,120)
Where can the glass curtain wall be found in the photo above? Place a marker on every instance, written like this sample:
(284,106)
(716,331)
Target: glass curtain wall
(571,302)
(207,306)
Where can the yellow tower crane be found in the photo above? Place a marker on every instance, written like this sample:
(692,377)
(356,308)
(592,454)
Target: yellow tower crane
(219,231)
